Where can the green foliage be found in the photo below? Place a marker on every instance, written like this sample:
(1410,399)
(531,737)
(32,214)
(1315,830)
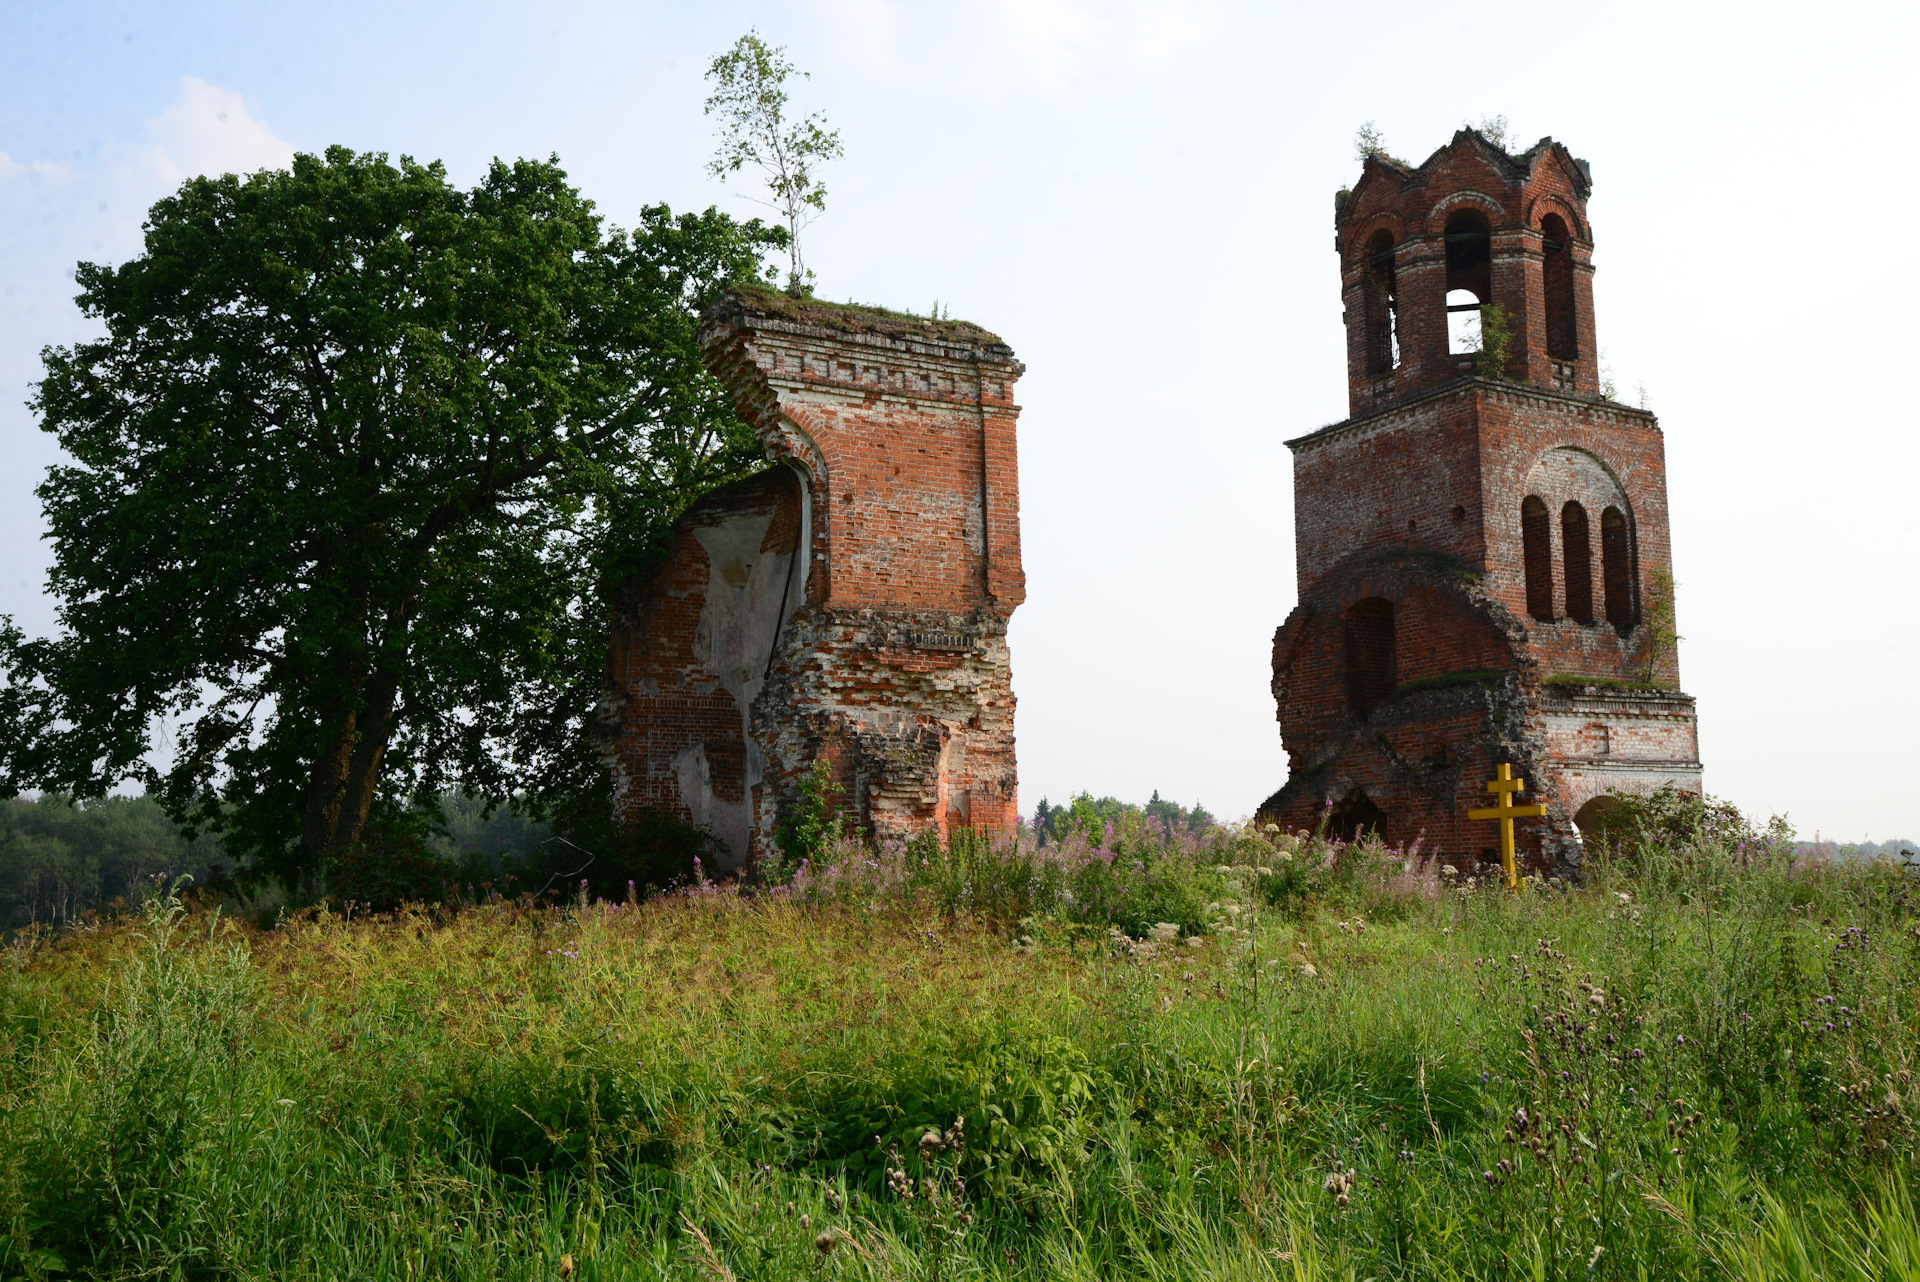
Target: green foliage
(1493,128)
(750,98)
(1698,1066)
(1369,142)
(61,860)
(389,866)
(1496,340)
(1663,637)
(353,469)
(815,826)
(1093,817)
(1669,817)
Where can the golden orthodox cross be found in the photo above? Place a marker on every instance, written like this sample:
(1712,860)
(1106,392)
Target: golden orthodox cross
(1506,812)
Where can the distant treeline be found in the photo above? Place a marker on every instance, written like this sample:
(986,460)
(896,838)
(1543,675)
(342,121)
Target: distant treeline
(1089,814)
(1859,849)
(60,859)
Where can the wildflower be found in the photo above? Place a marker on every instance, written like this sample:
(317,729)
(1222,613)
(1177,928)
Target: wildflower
(1448,870)
(1598,997)
(806,1221)
(825,1242)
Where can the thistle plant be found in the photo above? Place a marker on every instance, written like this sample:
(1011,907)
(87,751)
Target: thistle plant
(937,1198)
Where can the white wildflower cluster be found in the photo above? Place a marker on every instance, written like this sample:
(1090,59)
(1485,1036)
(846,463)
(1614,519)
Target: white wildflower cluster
(1162,936)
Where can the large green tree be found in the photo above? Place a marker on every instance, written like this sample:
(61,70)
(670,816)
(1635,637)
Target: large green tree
(351,469)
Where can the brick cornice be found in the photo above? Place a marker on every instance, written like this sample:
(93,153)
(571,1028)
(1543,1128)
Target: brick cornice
(1463,386)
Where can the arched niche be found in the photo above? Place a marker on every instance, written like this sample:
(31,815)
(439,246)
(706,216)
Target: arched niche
(1575,484)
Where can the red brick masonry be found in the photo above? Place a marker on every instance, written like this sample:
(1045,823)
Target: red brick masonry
(894,488)
(1476,556)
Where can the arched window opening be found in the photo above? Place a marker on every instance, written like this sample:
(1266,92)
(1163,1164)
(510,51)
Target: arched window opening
(1370,667)
(1601,823)
(1382,306)
(1562,338)
(1578,554)
(1469,241)
(1536,546)
(1616,569)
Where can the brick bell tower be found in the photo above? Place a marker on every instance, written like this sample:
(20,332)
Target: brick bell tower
(1481,546)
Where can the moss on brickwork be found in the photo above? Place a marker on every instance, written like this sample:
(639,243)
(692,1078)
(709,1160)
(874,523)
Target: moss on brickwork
(1575,680)
(859,318)
(1447,681)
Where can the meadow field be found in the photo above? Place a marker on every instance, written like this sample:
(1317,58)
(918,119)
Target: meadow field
(1132,1054)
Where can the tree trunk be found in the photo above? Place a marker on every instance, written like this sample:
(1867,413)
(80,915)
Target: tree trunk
(363,770)
(346,776)
(323,791)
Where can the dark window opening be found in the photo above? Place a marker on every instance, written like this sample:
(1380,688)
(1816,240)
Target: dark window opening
(1601,822)
(1382,306)
(1616,569)
(1469,241)
(1355,818)
(1578,553)
(1562,336)
(1370,667)
(1536,546)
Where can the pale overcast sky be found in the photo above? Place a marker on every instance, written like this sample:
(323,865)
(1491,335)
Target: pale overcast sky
(1139,197)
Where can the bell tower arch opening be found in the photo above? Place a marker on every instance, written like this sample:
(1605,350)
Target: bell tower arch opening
(1382,305)
(1469,242)
(1556,249)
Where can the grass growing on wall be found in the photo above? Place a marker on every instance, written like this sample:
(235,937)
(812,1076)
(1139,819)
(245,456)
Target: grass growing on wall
(1241,1057)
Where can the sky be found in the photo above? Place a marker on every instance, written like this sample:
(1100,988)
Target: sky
(1137,195)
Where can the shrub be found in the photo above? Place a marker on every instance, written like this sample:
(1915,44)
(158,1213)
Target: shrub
(389,867)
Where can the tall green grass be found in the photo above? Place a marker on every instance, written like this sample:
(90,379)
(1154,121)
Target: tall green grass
(1250,1056)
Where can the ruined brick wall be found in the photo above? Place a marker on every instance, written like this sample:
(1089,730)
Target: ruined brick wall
(1411,511)
(897,546)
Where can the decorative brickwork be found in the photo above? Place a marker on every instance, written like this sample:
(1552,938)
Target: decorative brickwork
(849,604)
(1473,554)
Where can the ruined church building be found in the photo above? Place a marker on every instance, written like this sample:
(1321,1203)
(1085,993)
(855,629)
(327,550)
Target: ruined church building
(849,604)
(1480,559)
(1480,555)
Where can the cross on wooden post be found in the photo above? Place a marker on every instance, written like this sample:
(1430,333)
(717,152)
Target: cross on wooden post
(1506,812)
